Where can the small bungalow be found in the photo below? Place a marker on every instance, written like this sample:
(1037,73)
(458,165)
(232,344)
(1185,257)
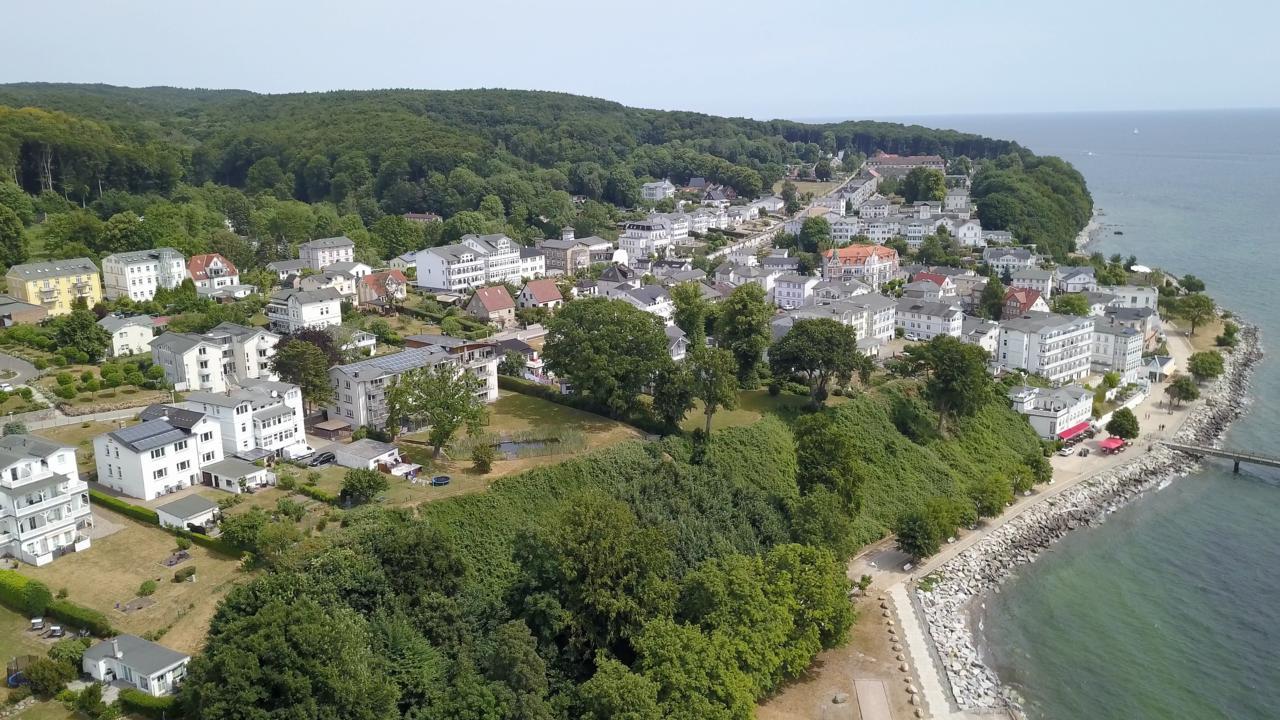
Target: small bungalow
(366,454)
(192,512)
(236,476)
(153,669)
(493,305)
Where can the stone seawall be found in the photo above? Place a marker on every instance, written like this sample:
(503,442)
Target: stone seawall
(947,607)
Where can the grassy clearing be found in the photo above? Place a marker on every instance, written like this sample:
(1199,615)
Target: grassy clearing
(124,396)
(109,574)
(1206,334)
(803,186)
(752,405)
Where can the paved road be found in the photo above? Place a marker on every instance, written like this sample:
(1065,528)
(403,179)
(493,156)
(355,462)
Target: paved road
(25,370)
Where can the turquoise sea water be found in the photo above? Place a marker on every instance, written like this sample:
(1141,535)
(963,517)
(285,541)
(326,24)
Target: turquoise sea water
(1171,608)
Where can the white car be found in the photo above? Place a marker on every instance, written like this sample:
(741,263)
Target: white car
(6,387)
(1065,452)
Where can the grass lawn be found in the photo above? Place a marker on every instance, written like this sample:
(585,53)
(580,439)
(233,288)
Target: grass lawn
(1206,334)
(803,186)
(15,404)
(84,403)
(51,710)
(752,405)
(80,436)
(110,572)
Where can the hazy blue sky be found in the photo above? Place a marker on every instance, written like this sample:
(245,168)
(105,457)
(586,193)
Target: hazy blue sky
(762,59)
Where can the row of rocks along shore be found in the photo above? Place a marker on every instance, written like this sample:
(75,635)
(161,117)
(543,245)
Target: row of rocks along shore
(948,606)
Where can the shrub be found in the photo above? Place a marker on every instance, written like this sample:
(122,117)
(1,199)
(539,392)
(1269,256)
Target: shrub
(48,677)
(184,574)
(148,587)
(69,651)
(317,494)
(135,701)
(183,543)
(286,482)
(41,364)
(141,514)
(86,376)
(62,593)
(482,457)
(65,378)
(66,392)
(22,594)
(80,617)
(291,509)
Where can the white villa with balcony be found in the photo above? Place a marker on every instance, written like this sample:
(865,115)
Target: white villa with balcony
(163,454)
(1055,346)
(44,505)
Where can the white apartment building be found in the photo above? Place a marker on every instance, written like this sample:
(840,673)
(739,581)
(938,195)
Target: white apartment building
(212,271)
(1055,346)
(44,505)
(881,318)
(790,291)
(845,228)
(533,263)
(874,265)
(657,190)
(1054,413)
(360,388)
(129,335)
(344,284)
(292,310)
(137,275)
(1009,259)
(650,237)
(1076,279)
(320,254)
(226,354)
(475,261)
(259,419)
(160,455)
(956,200)
(1116,348)
(1134,296)
(1034,279)
(923,319)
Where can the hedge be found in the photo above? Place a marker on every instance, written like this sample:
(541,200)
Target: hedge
(22,594)
(136,702)
(317,494)
(141,514)
(149,516)
(638,419)
(81,617)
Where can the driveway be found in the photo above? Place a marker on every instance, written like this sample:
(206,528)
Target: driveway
(23,370)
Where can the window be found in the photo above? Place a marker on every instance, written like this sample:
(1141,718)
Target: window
(160,473)
(180,445)
(208,457)
(206,436)
(157,453)
(185,464)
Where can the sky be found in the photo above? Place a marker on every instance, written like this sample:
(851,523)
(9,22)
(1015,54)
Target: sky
(817,59)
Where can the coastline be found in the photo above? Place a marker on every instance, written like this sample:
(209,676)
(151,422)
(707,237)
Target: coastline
(1091,232)
(966,578)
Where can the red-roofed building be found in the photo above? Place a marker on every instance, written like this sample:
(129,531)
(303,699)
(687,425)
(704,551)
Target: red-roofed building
(540,293)
(1020,301)
(382,288)
(493,305)
(906,162)
(874,265)
(212,271)
(946,286)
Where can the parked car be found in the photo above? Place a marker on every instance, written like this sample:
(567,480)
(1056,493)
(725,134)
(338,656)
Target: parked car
(6,387)
(323,458)
(439,481)
(1065,452)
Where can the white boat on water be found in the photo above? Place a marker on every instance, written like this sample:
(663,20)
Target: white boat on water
(1135,131)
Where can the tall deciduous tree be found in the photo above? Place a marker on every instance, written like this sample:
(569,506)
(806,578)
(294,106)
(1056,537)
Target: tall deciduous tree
(691,309)
(80,331)
(1071,304)
(443,399)
(958,382)
(715,380)
(815,235)
(363,484)
(743,329)
(306,366)
(607,350)
(13,243)
(1205,365)
(1124,424)
(991,301)
(923,184)
(1182,389)
(821,350)
(1196,309)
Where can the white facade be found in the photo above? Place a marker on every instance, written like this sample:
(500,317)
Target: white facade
(129,336)
(292,310)
(44,505)
(533,264)
(872,264)
(1055,346)
(1034,279)
(161,455)
(923,320)
(1134,296)
(1053,412)
(643,238)
(1116,348)
(657,190)
(320,254)
(1008,260)
(226,354)
(212,271)
(360,389)
(475,261)
(259,419)
(137,275)
(154,669)
(792,291)
(1075,279)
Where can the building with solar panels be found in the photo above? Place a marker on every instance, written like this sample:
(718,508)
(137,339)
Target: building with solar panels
(360,388)
(44,505)
(161,455)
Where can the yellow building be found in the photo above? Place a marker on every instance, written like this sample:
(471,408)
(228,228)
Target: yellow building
(56,284)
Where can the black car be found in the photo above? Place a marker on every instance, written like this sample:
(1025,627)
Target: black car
(440,481)
(322,458)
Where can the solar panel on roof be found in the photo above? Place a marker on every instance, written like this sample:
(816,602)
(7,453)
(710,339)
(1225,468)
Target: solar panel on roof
(149,435)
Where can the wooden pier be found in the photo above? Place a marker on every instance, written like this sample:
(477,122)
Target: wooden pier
(1235,456)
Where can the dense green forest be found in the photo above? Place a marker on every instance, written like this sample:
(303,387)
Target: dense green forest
(649,580)
(491,160)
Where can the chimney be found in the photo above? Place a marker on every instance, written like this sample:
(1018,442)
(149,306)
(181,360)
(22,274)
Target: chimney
(567,233)
(115,649)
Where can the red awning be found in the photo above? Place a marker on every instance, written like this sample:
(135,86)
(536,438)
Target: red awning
(1074,430)
(1112,443)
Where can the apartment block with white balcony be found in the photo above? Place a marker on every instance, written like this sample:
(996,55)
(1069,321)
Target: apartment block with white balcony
(44,505)
(360,388)
(1055,346)
(226,354)
(293,310)
(474,261)
(258,419)
(137,275)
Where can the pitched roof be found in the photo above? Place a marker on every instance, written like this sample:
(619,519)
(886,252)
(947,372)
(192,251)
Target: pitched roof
(162,253)
(932,277)
(378,280)
(232,467)
(1025,297)
(287,266)
(142,656)
(332,242)
(542,291)
(394,364)
(114,323)
(149,435)
(177,417)
(494,299)
(53,268)
(198,266)
(860,254)
(306,297)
